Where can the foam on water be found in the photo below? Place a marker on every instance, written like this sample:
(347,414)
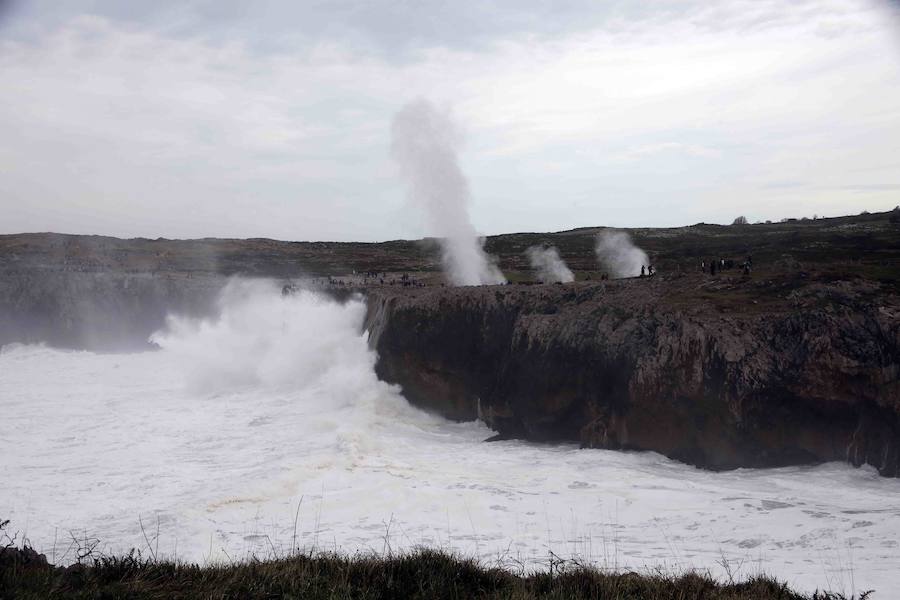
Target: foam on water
(221,434)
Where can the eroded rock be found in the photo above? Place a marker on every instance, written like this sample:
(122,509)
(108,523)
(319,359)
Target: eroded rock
(723,379)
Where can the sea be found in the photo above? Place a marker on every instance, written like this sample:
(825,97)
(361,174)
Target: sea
(265,431)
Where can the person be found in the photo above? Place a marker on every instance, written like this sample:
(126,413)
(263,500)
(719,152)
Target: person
(642,270)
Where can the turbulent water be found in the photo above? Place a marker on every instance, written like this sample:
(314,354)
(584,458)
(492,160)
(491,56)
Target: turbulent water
(206,449)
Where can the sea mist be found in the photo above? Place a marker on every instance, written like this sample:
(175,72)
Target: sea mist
(425,144)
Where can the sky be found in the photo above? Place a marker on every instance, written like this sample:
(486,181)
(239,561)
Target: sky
(225,118)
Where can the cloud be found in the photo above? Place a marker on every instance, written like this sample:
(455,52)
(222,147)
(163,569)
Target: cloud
(201,119)
(868,187)
(694,150)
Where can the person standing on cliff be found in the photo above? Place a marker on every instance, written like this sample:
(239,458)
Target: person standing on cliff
(643,271)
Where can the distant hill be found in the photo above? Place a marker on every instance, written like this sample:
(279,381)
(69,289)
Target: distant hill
(866,245)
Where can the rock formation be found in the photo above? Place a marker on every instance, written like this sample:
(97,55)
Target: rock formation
(797,363)
(720,374)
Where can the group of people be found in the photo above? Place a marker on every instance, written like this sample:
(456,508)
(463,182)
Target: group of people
(405,280)
(724,264)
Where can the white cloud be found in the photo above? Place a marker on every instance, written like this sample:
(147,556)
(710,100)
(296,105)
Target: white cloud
(109,126)
(695,150)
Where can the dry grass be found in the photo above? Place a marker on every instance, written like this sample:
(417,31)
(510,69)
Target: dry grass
(420,574)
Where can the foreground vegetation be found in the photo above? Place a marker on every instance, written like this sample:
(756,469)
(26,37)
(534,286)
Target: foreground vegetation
(421,574)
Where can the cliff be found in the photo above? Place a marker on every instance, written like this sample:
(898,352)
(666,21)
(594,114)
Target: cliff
(797,363)
(717,372)
(109,294)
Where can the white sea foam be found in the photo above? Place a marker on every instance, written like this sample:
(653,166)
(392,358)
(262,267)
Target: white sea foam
(221,433)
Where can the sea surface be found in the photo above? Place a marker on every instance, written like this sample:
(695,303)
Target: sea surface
(267,430)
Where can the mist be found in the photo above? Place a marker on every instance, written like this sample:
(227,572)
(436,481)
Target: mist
(425,145)
(263,340)
(618,255)
(548,264)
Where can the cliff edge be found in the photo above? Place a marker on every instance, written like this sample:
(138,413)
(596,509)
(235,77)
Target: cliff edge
(717,372)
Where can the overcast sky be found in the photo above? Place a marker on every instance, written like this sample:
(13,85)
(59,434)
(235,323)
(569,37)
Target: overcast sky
(272,118)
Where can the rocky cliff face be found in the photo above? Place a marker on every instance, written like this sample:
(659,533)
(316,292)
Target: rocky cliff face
(720,374)
(797,364)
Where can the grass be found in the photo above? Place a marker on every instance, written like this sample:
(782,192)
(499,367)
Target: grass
(423,573)
(420,574)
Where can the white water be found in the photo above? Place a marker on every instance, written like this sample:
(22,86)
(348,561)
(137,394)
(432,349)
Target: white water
(222,433)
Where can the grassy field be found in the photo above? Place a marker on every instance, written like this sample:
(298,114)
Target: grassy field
(863,246)
(860,246)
